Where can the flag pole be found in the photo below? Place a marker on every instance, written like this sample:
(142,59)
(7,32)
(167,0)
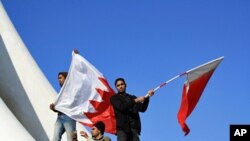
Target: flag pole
(177,76)
(166,82)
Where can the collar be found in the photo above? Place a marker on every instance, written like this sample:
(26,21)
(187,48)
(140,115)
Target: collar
(99,138)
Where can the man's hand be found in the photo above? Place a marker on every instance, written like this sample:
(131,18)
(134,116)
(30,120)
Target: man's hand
(52,107)
(84,134)
(140,99)
(76,51)
(150,93)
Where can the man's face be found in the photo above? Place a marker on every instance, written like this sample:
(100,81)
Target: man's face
(95,132)
(61,79)
(120,86)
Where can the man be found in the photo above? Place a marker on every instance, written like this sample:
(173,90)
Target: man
(63,122)
(97,132)
(127,108)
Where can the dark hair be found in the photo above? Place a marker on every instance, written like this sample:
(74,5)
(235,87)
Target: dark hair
(64,74)
(100,126)
(120,79)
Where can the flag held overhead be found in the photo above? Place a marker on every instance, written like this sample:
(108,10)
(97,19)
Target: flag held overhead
(85,95)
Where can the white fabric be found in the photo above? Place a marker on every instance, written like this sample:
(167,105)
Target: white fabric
(79,87)
(195,73)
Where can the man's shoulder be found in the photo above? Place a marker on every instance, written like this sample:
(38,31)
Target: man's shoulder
(114,98)
(130,95)
(115,95)
(119,95)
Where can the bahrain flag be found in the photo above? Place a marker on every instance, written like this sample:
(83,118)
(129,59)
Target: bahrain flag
(85,95)
(197,79)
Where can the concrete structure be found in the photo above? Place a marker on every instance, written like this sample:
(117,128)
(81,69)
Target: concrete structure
(15,130)
(23,87)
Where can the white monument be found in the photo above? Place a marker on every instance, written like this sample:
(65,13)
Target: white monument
(24,89)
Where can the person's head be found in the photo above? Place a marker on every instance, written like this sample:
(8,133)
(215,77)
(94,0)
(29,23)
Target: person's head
(98,129)
(120,85)
(62,77)
(74,136)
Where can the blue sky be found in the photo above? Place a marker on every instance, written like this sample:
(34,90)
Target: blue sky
(148,42)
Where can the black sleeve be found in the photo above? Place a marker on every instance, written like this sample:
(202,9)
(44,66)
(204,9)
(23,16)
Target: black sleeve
(144,105)
(141,107)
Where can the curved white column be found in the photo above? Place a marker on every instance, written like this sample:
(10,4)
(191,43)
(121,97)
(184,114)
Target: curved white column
(23,87)
(16,130)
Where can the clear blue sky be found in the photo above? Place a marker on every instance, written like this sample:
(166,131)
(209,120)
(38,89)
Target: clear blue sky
(148,42)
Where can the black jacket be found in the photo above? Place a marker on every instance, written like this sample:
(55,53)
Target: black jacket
(127,111)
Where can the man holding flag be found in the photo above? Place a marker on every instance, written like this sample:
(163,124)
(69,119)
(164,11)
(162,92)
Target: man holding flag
(85,95)
(63,122)
(87,98)
(127,108)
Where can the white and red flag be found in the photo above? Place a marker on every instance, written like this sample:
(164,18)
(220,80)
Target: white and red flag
(196,82)
(197,79)
(85,95)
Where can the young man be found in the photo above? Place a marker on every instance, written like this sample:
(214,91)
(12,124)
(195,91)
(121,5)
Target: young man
(97,132)
(127,108)
(63,122)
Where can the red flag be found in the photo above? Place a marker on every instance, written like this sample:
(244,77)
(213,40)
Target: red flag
(197,79)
